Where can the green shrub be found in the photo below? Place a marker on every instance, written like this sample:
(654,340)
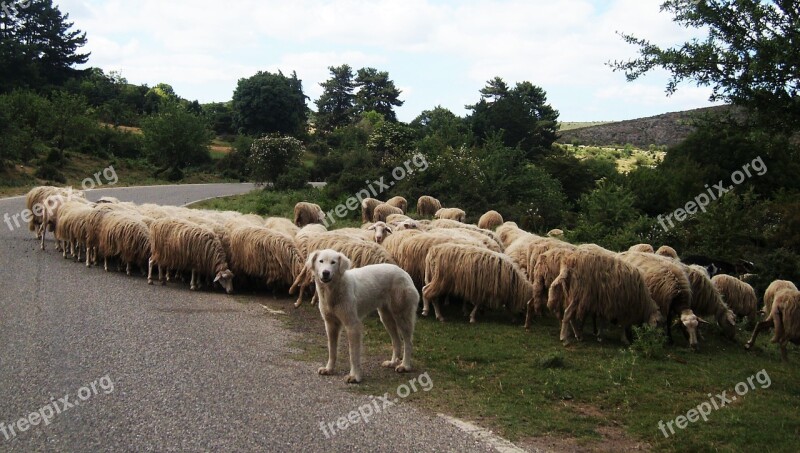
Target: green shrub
(49,172)
(648,342)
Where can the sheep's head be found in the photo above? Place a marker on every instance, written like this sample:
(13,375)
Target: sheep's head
(381,230)
(408,225)
(656,318)
(690,323)
(225,279)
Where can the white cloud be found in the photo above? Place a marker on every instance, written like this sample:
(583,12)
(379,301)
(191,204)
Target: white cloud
(555,44)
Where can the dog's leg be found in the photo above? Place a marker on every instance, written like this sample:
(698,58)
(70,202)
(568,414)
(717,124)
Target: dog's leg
(405,326)
(355,331)
(388,320)
(332,328)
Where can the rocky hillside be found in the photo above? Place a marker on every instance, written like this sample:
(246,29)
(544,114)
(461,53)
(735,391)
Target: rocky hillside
(666,129)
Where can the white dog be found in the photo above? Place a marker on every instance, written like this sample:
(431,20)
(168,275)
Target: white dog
(346,296)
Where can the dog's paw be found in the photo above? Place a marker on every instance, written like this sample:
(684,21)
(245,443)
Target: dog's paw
(325,371)
(390,363)
(350,379)
(402,369)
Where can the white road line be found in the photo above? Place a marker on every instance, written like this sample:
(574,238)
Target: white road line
(484,435)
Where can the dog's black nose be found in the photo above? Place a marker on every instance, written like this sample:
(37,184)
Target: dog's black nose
(326,274)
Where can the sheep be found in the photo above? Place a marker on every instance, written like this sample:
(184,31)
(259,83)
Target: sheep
(281,225)
(669,288)
(738,295)
(397,218)
(359,251)
(509,232)
(108,200)
(644,248)
(476,275)
(376,232)
(524,250)
(412,224)
(367,208)
(264,253)
(53,205)
(490,220)
(443,224)
(410,247)
(398,202)
(604,286)
(707,301)
(667,251)
(306,213)
(427,206)
(71,228)
(451,214)
(183,245)
(383,211)
(543,269)
(772,290)
(555,233)
(35,203)
(125,235)
(784,316)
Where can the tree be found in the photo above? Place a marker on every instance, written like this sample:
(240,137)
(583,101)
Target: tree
(273,155)
(270,103)
(37,47)
(750,56)
(176,138)
(335,106)
(521,114)
(376,92)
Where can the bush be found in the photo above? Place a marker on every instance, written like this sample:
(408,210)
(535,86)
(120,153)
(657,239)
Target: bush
(648,342)
(295,178)
(50,173)
(175,174)
(272,155)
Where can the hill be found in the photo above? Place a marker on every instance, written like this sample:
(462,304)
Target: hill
(667,129)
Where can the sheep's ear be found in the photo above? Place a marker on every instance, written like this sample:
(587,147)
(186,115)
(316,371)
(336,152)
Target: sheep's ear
(702,321)
(311,259)
(219,275)
(344,263)
(388,229)
(371,227)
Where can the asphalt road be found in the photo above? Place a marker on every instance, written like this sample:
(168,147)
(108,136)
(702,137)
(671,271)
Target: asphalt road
(167,369)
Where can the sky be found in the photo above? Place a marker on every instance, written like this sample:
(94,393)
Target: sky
(438,52)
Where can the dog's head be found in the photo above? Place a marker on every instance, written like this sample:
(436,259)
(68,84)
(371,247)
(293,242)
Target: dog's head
(327,264)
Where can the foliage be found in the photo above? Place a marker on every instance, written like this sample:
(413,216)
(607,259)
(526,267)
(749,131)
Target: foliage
(520,114)
(336,104)
(750,56)
(648,341)
(270,103)
(272,155)
(49,172)
(376,92)
(175,138)
(37,47)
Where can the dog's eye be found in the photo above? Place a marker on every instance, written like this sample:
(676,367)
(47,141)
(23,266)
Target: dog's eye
(321,261)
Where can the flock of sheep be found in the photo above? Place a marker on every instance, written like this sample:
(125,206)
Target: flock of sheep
(494,264)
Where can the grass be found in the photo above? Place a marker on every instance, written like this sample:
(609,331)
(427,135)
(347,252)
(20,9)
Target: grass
(526,385)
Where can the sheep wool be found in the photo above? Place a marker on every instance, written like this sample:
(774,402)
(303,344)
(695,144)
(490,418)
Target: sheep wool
(476,275)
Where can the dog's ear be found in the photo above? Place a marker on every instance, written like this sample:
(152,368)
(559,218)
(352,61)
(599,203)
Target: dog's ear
(311,259)
(344,263)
